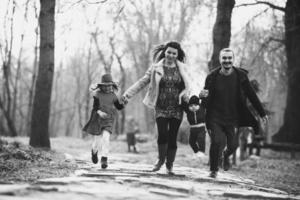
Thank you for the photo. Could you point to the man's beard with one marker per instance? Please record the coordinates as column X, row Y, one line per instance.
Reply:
column 227, row 65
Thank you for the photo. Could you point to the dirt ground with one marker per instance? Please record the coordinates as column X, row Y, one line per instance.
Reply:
column 21, row 164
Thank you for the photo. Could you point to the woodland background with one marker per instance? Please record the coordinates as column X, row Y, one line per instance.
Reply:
column 52, row 51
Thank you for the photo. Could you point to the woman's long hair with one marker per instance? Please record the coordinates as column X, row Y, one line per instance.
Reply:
column 159, row 51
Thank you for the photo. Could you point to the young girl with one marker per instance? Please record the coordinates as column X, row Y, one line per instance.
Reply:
column 102, row 117
column 196, row 118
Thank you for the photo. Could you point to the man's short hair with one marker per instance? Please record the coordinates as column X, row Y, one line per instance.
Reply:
column 227, row 50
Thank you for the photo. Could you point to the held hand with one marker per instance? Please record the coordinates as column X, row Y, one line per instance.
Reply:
column 93, row 86
column 102, row 114
column 265, row 119
column 203, row 93
column 123, row 100
column 185, row 98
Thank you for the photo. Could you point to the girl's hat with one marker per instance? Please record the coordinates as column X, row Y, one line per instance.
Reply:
column 106, row 79
column 194, row 100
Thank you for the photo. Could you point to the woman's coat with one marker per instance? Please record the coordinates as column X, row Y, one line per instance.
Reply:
column 152, row 77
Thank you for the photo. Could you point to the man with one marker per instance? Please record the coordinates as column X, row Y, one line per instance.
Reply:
column 224, row 98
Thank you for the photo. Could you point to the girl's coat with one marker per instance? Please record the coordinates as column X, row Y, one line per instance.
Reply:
column 108, row 103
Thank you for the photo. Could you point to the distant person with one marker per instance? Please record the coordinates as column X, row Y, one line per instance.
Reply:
column 131, row 130
column 257, row 136
column 168, row 81
column 102, row 118
column 226, row 90
column 196, row 118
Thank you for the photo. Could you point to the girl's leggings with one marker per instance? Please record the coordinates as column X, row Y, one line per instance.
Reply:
column 101, row 143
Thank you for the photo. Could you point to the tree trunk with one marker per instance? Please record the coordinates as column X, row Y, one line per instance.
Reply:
column 221, row 30
column 89, row 81
column 10, row 123
column 41, row 103
column 122, row 115
column 33, row 77
column 148, row 113
column 290, row 131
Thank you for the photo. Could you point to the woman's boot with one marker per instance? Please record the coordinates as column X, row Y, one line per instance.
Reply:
column 170, row 159
column 162, row 151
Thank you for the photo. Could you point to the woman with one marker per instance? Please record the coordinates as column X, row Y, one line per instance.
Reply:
column 168, row 83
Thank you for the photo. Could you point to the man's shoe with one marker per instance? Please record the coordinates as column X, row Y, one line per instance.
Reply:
column 213, row 174
column 104, row 162
column 135, row 149
column 95, row 157
column 226, row 162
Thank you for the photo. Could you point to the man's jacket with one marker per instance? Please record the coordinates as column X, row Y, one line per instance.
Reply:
column 245, row 91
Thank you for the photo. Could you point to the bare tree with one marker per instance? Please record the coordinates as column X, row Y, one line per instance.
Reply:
column 107, row 63
column 147, row 24
column 105, row 60
column 122, row 82
column 57, row 103
column 262, row 53
column 79, row 99
column 41, row 104
column 87, row 98
column 290, row 130
column 16, row 95
column 120, row 123
column 6, row 99
column 34, row 73
column 221, row 30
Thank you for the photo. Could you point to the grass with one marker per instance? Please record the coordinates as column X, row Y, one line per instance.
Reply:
column 21, row 163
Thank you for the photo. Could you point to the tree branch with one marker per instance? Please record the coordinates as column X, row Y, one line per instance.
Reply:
column 95, row 2
column 251, row 20
column 264, row 46
column 107, row 65
column 277, row 40
column 262, row 2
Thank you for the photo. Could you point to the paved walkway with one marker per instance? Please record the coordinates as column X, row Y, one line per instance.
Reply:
column 127, row 180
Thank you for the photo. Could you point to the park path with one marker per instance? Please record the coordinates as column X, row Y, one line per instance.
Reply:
column 128, row 178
